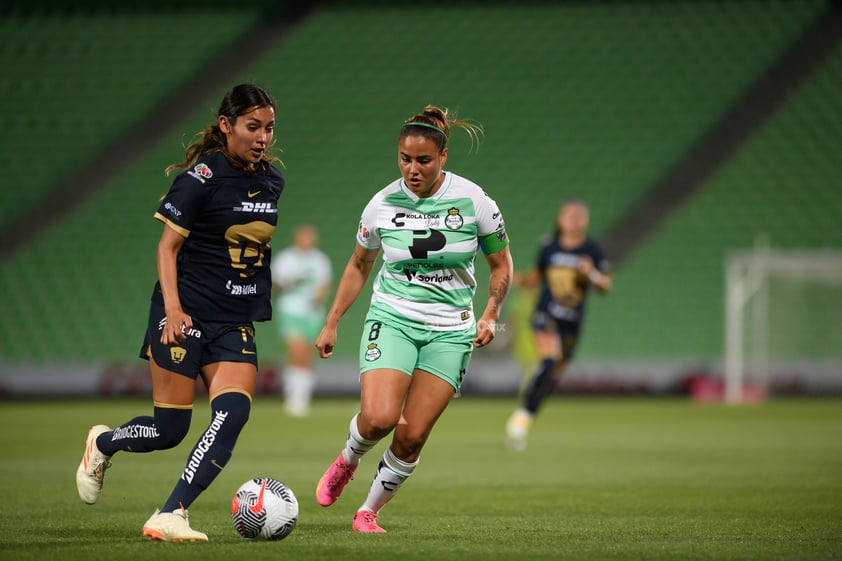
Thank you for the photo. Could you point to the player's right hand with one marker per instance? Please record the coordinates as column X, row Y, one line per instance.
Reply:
column 175, row 328
column 326, row 341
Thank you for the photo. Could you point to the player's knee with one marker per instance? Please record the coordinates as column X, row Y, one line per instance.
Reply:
column 408, row 445
column 172, row 426
column 230, row 412
column 376, row 425
column 170, row 437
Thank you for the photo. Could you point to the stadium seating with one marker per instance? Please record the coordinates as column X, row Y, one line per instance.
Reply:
column 592, row 100
column 72, row 83
column 784, row 185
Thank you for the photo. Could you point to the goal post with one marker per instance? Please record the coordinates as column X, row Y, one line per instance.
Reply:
column 780, row 305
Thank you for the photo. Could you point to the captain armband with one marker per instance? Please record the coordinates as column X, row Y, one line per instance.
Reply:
column 494, row 242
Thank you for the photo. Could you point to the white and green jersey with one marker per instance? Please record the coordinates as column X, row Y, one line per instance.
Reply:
column 301, row 274
column 429, row 246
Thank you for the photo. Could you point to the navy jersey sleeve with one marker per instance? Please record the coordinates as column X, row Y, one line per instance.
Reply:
column 600, row 260
column 182, row 204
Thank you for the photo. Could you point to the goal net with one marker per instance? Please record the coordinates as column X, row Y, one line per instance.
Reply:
column 783, row 321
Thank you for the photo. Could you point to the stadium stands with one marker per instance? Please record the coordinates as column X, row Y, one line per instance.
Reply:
column 784, row 185
column 593, row 100
column 73, row 82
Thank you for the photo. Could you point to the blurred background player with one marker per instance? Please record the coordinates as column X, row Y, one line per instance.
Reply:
column 301, row 275
column 420, row 329
column 213, row 283
column 568, row 264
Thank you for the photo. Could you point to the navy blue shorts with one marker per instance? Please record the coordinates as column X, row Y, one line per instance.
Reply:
column 205, row 343
column 568, row 331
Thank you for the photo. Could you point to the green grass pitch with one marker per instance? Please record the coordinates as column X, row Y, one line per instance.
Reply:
column 602, row 479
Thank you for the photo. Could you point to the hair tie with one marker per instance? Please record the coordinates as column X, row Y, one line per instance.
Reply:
column 428, row 125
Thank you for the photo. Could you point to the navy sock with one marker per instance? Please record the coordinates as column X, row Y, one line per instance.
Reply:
column 166, row 429
column 229, row 414
column 543, row 384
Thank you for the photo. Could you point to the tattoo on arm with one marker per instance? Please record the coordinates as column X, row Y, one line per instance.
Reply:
column 499, row 292
column 361, row 260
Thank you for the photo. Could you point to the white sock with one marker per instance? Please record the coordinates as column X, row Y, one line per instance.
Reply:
column 298, row 388
column 355, row 445
column 391, row 473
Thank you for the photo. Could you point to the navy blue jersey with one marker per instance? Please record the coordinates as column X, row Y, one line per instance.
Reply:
column 563, row 288
column 227, row 219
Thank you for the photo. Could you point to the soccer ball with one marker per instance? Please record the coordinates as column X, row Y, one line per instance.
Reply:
column 264, row 508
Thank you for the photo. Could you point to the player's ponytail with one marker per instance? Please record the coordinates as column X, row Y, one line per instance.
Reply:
column 435, row 124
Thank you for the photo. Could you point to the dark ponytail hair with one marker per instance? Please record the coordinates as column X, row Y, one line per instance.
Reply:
column 434, row 124
column 238, row 100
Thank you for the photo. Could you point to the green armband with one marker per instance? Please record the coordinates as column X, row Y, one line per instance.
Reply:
column 492, row 243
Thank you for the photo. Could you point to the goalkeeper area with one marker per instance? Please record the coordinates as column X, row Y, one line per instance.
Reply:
column 602, row 479
column 782, row 310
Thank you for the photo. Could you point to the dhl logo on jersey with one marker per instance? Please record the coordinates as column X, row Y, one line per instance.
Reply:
column 265, row 208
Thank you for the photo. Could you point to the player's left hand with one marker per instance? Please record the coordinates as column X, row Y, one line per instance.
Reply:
column 486, row 327
column 585, row 265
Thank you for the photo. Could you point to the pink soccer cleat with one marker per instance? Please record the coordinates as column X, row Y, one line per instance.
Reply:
column 366, row 521
column 334, row 481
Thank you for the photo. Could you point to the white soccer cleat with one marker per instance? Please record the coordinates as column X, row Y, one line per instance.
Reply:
column 172, row 527
column 517, row 428
column 296, row 408
column 91, row 470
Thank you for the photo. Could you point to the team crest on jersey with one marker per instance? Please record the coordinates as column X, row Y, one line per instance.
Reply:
column 373, row 353
column 454, row 219
column 201, row 172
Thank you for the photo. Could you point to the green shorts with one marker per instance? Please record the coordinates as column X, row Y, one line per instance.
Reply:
column 300, row 326
column 403, row 347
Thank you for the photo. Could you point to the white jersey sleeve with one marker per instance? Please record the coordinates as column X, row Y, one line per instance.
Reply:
column 489, row 218
column 323, row 272
column 368, row 235
column 281, row 268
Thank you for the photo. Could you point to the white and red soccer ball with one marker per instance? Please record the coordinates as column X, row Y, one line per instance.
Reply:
column 264, row 508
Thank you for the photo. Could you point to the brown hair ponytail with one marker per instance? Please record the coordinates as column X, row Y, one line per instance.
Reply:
column 435, row 124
